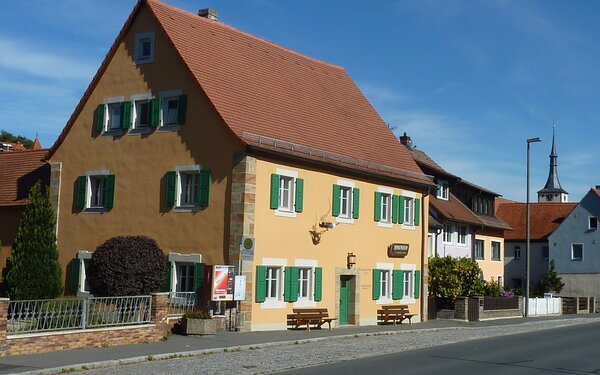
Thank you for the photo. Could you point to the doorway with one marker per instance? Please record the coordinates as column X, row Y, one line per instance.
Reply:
column 347, row 312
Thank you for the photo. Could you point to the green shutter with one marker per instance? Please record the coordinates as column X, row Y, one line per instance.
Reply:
column 355, row 202
column 318, row 284
column 417, row 211
column 75, row 272
column 166, row 287
column 335, row 204
column 81, row 190
column 299, row 198
column 397, row 284
column 290, row 291
column 126, row 116
column 100, row 113
column 395, row 208
column 109, row 191
column 376, row 283
column 417, row 284
column 401, row 219
column 198, row 278
column 274, row 191
column 204, row 194
column 170, row 188
column 155, row 112
column 261, row 284
column 181, row 109
column 377, row 205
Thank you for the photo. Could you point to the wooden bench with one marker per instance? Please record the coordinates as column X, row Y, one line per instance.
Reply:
column 314, row 316
column 394, row 313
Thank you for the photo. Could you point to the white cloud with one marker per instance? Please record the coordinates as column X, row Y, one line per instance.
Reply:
column 381, row 93
column 27, row 58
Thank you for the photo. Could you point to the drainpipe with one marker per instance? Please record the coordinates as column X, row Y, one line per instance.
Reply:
column 424, row 234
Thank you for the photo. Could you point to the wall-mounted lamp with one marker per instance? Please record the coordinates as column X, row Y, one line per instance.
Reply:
column 327, row 225
column 351, row 260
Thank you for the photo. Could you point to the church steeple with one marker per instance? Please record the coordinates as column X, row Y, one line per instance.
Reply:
column 552, row 191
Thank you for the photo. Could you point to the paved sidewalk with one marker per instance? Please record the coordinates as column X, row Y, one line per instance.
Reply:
column 177, row 345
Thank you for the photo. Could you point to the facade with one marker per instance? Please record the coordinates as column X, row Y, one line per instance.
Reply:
column 544, row 219
column 462, row 219
column 242, row 140
column 574, row 248
column 19, row 171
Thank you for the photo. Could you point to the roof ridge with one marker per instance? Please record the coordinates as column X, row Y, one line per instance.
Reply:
column 247, row 34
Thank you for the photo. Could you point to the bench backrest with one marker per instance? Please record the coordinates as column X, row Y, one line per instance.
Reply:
column 311, row 311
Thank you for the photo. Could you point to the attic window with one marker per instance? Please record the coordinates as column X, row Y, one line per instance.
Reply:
column 144, row 47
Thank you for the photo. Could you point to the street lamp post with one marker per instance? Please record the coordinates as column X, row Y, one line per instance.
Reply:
column 527, row 248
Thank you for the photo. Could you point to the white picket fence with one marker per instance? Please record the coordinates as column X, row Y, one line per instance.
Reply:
column 545, row 306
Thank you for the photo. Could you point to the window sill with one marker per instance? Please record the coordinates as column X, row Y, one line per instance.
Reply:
column 408, row 301
column 144, row 61
column 140, row 131
column 275, row 304
column 479, row 258
column 168, row 128
column 283, row 213
column 344, row 220
column 95, row 210
column 383, row 224
column 305, row 303
column 409, row 226
column 187, row 209
column 384, row 301
column 496, row 260
column 112, row 133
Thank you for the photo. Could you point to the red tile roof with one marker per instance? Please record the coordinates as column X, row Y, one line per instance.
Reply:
column 14, row 146
column 36, row 144
column 262, row 89
column 19, row 171
column 544, row 219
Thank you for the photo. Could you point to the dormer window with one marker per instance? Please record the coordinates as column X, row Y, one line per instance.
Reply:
column 442, row 190
column 144, row 47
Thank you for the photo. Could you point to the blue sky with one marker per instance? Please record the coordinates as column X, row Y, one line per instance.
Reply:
column 469, row 81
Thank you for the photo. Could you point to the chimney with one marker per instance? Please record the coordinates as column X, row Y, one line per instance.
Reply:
column 597, row 186
column 209, row 13
column 405, row 140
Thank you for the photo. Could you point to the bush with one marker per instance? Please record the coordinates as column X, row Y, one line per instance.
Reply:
column 196, row 314
column 491, row 289
column 127, row 266
column 451, row 277
column 33, row 268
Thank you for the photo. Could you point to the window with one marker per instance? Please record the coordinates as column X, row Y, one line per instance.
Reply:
column 144, row 48
column 442, row 190
column 345, row 202
column 593, row 223
column 95, row 191
column 407, row 285
column 409, row 211
column 77, row 271
column 114, row 116
column 278, row 284
column 287, row 192
column 545, row 252
column 188, row 187
column 500, row 281
column 173, row 108
column 517, row 253
column 479, row 249
column 386, row 208
column 448, row 229
column 185, row 277
column 273, row 282
column 462, row 234
column 495, row 250
column 170, row 106
column 305, row 285
column 385, row 290
column 577, row 251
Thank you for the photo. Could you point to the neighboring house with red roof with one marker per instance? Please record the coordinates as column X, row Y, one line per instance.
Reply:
column 544, row 219
column 200, row 135
column 462, row 219
column 574, row 248
column 19, row 171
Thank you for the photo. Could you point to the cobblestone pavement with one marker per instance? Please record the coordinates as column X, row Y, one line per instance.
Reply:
column 269, row 359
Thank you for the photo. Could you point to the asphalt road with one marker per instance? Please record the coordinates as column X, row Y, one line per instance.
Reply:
column 566, row 350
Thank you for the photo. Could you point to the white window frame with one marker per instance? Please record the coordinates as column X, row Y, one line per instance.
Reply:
column 590, row 218
column 107, row 116
column 461, row 238
column 482, row 242
column 499, row 258
column 90, row 176
column 346, row 185
column 448, row 233
column 442, row 190
column 517, row 253
column 409, row 210
column 410, row 298
column 285, row 211
column 386, row 274
column 307, row 301
column 278, row 301
column 181, row 170
column 135, row 116
column 84, row 258
column 139, row 39
column 386, row 194
column 164, row 97
column 573, row 258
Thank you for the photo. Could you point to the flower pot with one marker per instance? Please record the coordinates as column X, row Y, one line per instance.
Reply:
column 199, row 326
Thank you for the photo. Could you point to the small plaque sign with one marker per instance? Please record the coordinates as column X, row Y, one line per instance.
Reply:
column 398, row 250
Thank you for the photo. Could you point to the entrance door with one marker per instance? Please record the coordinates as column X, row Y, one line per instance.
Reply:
column 344, row 299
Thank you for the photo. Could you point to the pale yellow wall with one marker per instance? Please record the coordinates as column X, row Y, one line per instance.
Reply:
column 289, row 238
column 491, row 268
column 141, row 161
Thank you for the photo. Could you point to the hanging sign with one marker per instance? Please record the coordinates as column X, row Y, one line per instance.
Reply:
column 398, row 250
column 222, row 283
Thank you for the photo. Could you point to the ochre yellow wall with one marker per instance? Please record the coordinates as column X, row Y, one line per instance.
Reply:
column 141, row 161
column 283, row 237
column 491, row 268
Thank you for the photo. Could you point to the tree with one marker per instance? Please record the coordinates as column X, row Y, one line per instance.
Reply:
column 451, row 277
column 8, row 137
column 34, row 271
column 127, row 266
column 551, row 282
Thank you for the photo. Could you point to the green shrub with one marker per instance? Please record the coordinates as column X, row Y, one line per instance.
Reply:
column 451, row 277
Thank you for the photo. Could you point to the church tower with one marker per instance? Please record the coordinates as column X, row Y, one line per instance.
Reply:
column 553, row 192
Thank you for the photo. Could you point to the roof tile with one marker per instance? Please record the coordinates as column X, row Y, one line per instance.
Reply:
column 19, row 171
